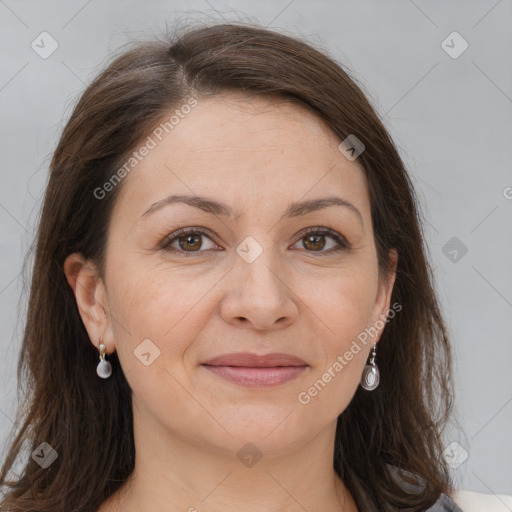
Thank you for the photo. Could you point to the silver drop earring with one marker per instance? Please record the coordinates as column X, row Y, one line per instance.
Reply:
column 104, row 368
column 371, row 375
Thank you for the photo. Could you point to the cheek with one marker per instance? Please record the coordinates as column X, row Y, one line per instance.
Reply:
column 156, row 305
column 161, row 316
column 345, row 345
column 344, row 304
column 342, row 311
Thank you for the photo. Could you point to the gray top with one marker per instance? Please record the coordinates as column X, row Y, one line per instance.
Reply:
column 444, row 504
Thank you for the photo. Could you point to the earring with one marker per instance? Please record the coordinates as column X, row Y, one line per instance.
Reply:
column 104, row 368
column 371, row 375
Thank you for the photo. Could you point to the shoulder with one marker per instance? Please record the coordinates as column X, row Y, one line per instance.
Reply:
column 470, row 501
column 445, row 503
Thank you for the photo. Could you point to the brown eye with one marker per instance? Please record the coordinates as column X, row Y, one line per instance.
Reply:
column 315, row 241
column 187, row 241
column 192, row 242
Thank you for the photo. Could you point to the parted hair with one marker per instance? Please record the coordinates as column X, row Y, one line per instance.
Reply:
column 88, row 421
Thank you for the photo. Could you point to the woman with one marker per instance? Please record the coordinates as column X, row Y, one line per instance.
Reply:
column 231, row 303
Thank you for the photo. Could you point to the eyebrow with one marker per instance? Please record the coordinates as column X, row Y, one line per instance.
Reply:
column 216, row 208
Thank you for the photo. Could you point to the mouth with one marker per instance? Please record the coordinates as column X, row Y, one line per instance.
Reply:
column 251, row 370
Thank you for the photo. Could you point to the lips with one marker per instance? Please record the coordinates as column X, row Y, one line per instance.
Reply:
column 249, row 360
column 254, row 371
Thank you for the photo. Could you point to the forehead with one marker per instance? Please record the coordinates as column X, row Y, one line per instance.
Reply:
column 245, row 150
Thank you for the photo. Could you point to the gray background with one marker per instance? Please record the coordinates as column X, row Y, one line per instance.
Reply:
column 450, row 117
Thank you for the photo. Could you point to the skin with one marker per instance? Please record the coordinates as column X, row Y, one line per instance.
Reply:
column 257, row 156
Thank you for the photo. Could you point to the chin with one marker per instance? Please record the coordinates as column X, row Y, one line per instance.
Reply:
column 270, row 432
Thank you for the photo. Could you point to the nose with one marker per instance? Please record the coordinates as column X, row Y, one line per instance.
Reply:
column 260, row 294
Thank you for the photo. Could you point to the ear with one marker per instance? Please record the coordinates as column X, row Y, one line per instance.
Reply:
column 89, row 289
column 383, row 298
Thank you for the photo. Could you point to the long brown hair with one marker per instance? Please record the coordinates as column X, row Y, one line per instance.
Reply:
column 87, row 420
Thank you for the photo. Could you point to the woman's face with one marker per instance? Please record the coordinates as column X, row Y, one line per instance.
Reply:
column 245, row 278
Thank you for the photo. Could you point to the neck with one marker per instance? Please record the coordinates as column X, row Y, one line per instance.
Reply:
column 173, row 474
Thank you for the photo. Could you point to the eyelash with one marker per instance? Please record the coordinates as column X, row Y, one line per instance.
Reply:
column 342, row 242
